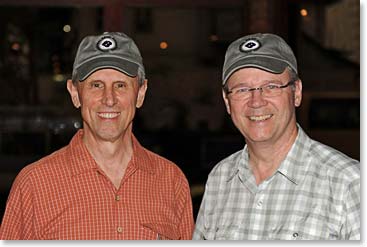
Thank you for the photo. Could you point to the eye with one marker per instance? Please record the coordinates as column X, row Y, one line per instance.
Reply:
column 241, row 90
column 96, row 84
column 120, row 85
column 271, row 86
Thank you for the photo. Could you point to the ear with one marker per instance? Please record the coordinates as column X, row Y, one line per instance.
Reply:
column 226, row 102
column 298, row 93
column 73, row 91
column 141, row 94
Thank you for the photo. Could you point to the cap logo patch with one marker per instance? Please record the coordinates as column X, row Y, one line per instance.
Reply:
column 250, row 45
column 106, row 43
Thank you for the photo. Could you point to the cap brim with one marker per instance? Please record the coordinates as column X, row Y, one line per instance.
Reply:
column 91, row 66
column 268, row 64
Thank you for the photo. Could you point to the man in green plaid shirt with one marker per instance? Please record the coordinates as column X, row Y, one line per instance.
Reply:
column 283, row 185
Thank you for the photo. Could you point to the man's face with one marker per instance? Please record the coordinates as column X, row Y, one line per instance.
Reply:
column 108, row 101
column 260, row 118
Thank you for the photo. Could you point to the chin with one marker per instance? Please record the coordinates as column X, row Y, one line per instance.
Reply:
column 258, row 138
column 108, row 136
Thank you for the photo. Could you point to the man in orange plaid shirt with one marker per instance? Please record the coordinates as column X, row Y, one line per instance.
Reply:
column 104, row 184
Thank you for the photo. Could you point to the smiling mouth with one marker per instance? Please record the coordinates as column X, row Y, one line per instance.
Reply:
column 108, row 115
column 260, row 118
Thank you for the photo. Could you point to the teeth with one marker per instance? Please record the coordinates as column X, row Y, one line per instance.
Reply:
column 260, row 118
column 109, row 114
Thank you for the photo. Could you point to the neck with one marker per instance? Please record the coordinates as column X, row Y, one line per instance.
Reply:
column 266, row 157
column 112, row 157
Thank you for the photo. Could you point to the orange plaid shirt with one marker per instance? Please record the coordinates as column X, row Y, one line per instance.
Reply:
column 66, row 196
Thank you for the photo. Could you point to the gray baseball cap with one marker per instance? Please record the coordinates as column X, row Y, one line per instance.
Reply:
column 264, row 51
column 109, row 50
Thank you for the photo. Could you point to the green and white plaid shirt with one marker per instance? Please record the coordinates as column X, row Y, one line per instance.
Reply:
column 314, row 194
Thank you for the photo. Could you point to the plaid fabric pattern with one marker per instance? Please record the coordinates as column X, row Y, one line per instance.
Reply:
column 314, row 195
column 66, row 196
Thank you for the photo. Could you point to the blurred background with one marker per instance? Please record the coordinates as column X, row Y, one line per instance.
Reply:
column 183, row 45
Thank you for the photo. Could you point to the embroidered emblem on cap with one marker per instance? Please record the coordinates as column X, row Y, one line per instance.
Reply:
column 250, row 45
column 106, row 43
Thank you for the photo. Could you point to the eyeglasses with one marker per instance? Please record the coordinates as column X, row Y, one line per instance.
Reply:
column 267, row 90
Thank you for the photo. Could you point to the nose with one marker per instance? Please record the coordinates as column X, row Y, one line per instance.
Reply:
column 109, row 97
column 256, row 99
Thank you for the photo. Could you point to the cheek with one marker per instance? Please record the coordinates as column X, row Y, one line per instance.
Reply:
column 237, row 112
column 287, row 109
column 88, row 104
column 127, row 100
column 88, row 101
column 86, row 111
column 236, row 108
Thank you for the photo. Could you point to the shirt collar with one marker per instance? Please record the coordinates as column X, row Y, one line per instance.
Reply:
column 240, row 162
column 294, row 166
column 81, row 160
column 141, row 158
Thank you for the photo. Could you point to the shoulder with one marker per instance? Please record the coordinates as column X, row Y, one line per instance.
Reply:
column 226, row 167
column 164, row 167
column 333, row 162
column 48, row 167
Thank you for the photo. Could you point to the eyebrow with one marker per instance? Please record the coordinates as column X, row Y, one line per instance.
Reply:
column 244, row 84
column 120, row 81
column 94, row 80
column 102, row 81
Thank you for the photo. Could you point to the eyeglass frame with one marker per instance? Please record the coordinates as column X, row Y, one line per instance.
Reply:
column 249, row 90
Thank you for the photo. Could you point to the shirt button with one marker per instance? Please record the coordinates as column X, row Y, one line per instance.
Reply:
column 295, row 235
column 117, row 198
column 119, row 229
column 259, row 203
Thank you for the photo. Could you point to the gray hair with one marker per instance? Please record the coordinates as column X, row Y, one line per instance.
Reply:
column 292, row 74
column 140, row 77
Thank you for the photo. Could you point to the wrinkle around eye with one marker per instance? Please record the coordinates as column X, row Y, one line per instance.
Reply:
column 95, row 84
column 271, row 86
column 120, row 84
column 242, row 90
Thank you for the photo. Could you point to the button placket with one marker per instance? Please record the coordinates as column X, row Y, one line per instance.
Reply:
column 259, row 200
column 118, row 204
column 260, row 195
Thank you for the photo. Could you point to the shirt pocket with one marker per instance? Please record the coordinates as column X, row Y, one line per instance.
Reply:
column 209, row 234
column 307, row 228
column 162, row 230
column 222, row 233
column 286, row 231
